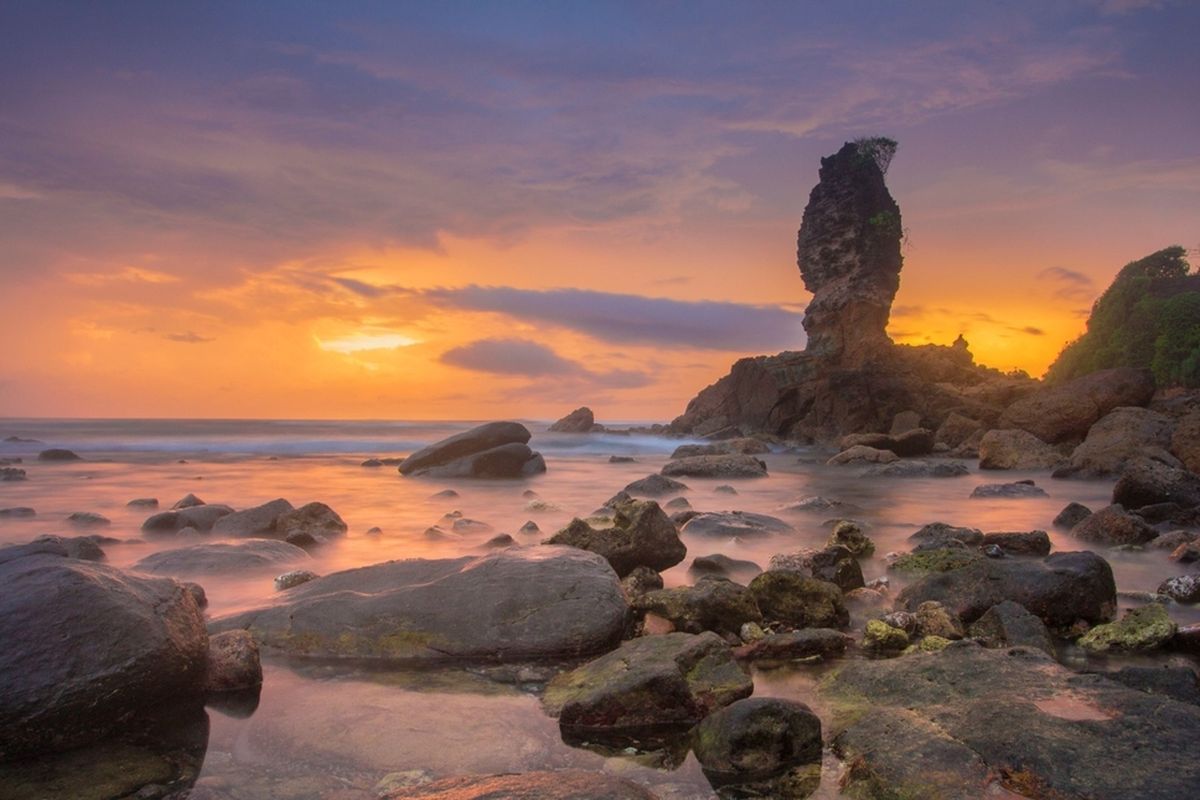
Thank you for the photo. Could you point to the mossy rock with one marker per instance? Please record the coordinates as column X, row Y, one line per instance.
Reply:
column 795, row 599
column 879, row 637
column 928, row 644
column 941, row 560
column 1141, row 629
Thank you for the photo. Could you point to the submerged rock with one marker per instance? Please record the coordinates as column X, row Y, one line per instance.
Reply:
column 1018, row 489
column 17, row 512
column 200, row 517
column 88, row 519
column 1071, row 515
column 189, row 500
column 741, row 445
column 719, row 466
column 732, row 524
column 1021, row 543
column 492, row 450
column 722, row 565
column 58, row 454
column 713, row 604
column 640, row 535
column 12, row 474
column 294, row 578
column 937, row 535
column 518, row 603
column 654, row 486
column 221, row 558
column 916, row 468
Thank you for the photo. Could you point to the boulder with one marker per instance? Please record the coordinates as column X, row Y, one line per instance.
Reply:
column 1118, row 437
column 89, row 649
column 640, row 581
column 1185, row 441
column 917, row 468
column 652, row 682
column 221, row 558
column 1019, row 489
column 233, row 663
column 905, row 421
column 1141, row 629
column 938, row 535
column 581, row 420
column 934, row 619
column 879, row 638
column 1065, row 412
column 1019, row 543
column 741, row 445
column 199, row 517
column 512, row 604
column 58, row 454
column 294, row 578
column 798, row 600
column 713, row 604
column 755, row 739
column 1016, row 449
column 1113, row 525
column 315, row 520
column 956, row 429
column 1008, row 624
column 82, row 547
column 143, row 502
column 970, row 722
column 258, row 521
column 796, row 645
column 912, row 443
column 734, row 524
column 654, row 486
column 189, row 500
column 1181, row 588
column 1147, row 482
column 549, row 785
column 1071, row 515
column 640, row 535
column 724, row 566
column 719, row 466
column 491, row 450
column 849, row 535
column 17, row 512
column 862, row 454
column 1061, row 589
column 88, row 519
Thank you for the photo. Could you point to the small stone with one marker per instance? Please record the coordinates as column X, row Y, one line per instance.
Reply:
column 849, row 535
column 374, row 531
column 143, row 502
column 934, row 619
column 1182, row 588
column 88, row 519
column 725, row 489
column 500, row 540
column 529, row 528
column 879, row 637
column 294, row 578
column 1071, row 515
column 233, row 662
column 751, row 632
column 444, row 494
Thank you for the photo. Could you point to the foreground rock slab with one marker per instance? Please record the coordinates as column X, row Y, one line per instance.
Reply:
column 949, row 724
column 561, row 785
column 513, row 604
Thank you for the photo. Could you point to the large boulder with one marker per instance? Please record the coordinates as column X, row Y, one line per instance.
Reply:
column 491, row 450
column 1147, row 482
column 258, row 521
column 88, row 648
column 1185, row 442
column 718, row 466
column 1062, row 589
column 311, row 522
column 755, row 741
column 1016, row 449
column 798, row 600
column 1065, row 412
column 734, row 524
column 640, row 535
column 549, row 785
column 675, row 679
column 581, row 420
column 199, row 517
column 222, row 558
column 713, row 604
column 1113, row 526
column 513, row 604
column 1118, row 437
column 970, row 722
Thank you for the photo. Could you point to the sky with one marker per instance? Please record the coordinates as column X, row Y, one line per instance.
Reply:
column 500, row 209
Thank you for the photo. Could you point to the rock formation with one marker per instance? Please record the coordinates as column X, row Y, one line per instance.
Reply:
column 851, row 377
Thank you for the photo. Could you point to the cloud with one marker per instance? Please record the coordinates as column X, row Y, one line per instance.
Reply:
column 1069, row 284
column 525, row 358
column 187, row 337
column 633, row 319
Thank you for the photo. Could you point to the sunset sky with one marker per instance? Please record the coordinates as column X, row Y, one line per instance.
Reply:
column 480, row 210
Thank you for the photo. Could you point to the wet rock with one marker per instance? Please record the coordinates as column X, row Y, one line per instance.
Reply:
column 143, row 502
column 755, row 739
column 1177, row 683
column 1071, row 515
column 1018, row 489
column 539, row 602
column 639, row 581
column 1061, row 589
column 529, row 528
column 796, row 645
column 500, row 540
column 1185, row 441
column 316, row 520
column 550, row 785
column 862, row 454
column 745, row 446
column 1145, row 482
column 879, row 637
column 200, row 517
column 1113, row 526
column 1008, row 624
column 652, row 682
column 374, row 530
column 1141, row 629
column 88, row 519
column 941, row 559
column 916, row 468
column 294, row 578
column 258, row 521
column 953, row 724
column 723, row 565
column 679, row 503
column 622, row 460
column 371, row 462
column 444, row 494
column 465, row 525
column 1172, row 540
column 1066, row 411
column 1118, row 437
column 189, row 500
column 1186, row 553
column 233, row 662
column 640, row 535
column 719, row 466
column 98, row 647
column 12, row 474
column 1016, row 449
column 712, row 604
column 655, row 486
column 492, row 450
column 937, row 535
column 1181, row 588
column 735, row 524
column 81, row 547
column 221, row 558
column 581, row 420
column 17, row 512
column 956, row 429
column 725, row 489
column 838, row 566
column 1020, row 543
column 934, row 619
column 822, row 505
column 798, row 600
column 849, row 535
column 58, row 454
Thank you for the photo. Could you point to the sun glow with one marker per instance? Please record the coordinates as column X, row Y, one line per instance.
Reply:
column 358, row 342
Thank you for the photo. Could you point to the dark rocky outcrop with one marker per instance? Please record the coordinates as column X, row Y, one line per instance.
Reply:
column 491, row 450
column 517, row 603
column 581, row 420
column 88, row 648
column 1117, row 438
column 1016, row 449
column 640, row 535
column 1146, row 482
column 744, row 445
column 58, row 454
column 1064, row 412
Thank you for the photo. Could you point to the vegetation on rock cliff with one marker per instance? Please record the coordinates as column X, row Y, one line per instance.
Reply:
column 1149, row 316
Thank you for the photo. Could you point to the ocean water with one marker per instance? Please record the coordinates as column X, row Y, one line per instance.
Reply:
column 335, row 729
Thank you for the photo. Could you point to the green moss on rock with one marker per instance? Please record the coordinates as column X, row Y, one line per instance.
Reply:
column 1141, row 629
